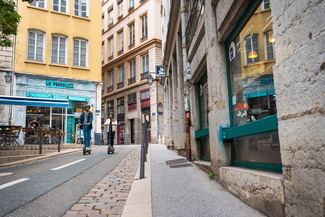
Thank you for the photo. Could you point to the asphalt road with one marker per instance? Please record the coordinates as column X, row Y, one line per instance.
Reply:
column 50, row 187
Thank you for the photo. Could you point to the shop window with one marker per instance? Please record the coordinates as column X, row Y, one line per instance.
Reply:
column 204, row 103
column 80, row 49
column 60, row 6
column 59, row 49
column 38, row 3
column 132, row 102
column 35, row 50
column 81, row 8
column 120, row 106
column 252, row 95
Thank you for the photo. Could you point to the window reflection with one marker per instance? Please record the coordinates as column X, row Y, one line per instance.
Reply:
column 252, row 58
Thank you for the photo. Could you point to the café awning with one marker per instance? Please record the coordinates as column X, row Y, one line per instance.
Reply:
column 33, row 101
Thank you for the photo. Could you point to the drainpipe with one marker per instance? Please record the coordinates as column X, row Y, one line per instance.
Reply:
column 185, row 69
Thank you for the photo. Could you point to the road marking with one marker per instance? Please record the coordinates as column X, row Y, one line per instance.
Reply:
column 69, row 164
column 13, row 183
column 6, row 174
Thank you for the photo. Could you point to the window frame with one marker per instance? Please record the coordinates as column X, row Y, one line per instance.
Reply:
column 264, row 2
column 60, row 6
column 79, row 12
column 144, row 26
column 265, row 125
column 122, row 71
column 132, row 34
column 257, row 50
column 120, row 36
column 133, row 68
column 37, row 2
column 111, row 47
column 142, row 63
column 79, row 54
column 143, row 91
column 266, row 40
column 58, row 50
column 36, row 32
column 120, row 11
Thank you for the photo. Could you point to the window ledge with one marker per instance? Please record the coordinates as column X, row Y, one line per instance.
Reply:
column 81, row 18
column 37, row 8
column 58, row 65
column 60, row 13
column 80, row 68
column 35, row 62
column 202, row 133
column 273, row 175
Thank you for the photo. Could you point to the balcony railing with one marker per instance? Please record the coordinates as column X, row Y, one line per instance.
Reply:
column 144, row 38
column 144, row 75
column 120, row 85
column 110, row 25
column 120, row 52
column 131, row 9
column 131, row 80
column 120, row 18
column 110, row 89
column 192, row 22
column 110, row 57
column 131, row 46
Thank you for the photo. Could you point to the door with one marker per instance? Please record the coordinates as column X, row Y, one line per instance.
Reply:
column 132, row 132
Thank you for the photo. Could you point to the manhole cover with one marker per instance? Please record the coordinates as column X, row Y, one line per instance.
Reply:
column 176, row 161
column 180, row 165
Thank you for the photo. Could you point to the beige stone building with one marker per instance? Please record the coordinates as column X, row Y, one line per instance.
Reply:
column 131, row 49
column 254, row 90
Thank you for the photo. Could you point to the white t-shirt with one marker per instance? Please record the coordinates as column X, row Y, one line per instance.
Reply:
column 107, row 123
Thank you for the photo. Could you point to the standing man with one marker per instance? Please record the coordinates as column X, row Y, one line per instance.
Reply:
column 111, row 124
column 85, row 122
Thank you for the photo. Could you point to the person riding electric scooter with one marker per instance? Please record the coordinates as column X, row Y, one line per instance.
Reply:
column 85, row 123
column 111, row 129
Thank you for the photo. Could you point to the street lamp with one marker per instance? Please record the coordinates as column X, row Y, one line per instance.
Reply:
column 8, row 77
column 150, row 79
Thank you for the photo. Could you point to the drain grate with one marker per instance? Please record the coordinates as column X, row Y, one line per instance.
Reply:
column 180, row 165
column 176, row 161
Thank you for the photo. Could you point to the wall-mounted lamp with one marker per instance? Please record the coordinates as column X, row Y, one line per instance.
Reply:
column 8, row 77
column 150, row 79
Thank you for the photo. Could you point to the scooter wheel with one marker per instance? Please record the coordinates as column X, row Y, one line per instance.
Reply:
column 84, row 151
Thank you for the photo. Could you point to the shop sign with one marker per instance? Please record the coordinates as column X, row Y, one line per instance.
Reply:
column 59, row 84
column 160, row 71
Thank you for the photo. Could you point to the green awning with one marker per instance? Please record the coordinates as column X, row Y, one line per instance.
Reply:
column 79, row 98
column 39, row 95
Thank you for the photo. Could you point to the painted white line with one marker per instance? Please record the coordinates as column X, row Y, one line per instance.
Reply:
column 13, row 183
column 66, row 165
column 6, row 174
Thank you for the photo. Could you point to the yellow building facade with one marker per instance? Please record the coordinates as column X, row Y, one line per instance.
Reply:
column 57, row 55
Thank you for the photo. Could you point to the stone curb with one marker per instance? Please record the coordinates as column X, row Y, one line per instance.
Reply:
column 139, row 201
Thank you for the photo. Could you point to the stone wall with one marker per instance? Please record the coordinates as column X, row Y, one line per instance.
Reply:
column 299, row 77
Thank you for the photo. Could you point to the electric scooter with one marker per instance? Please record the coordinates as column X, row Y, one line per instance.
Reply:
column 110, row 148
column 84, row 150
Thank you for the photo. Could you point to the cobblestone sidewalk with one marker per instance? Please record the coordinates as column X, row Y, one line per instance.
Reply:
column 108, row 197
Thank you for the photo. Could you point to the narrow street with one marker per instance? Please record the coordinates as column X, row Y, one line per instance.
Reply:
column 51, row 187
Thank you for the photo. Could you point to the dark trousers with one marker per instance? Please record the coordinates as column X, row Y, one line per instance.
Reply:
column 110, row 139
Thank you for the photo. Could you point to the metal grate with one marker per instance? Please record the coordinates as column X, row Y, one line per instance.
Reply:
column 180, row 165
column 177, row 161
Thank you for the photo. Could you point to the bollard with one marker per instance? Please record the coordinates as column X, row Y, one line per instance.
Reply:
column 59, row 141
column 40, row 141
column 142, row 157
